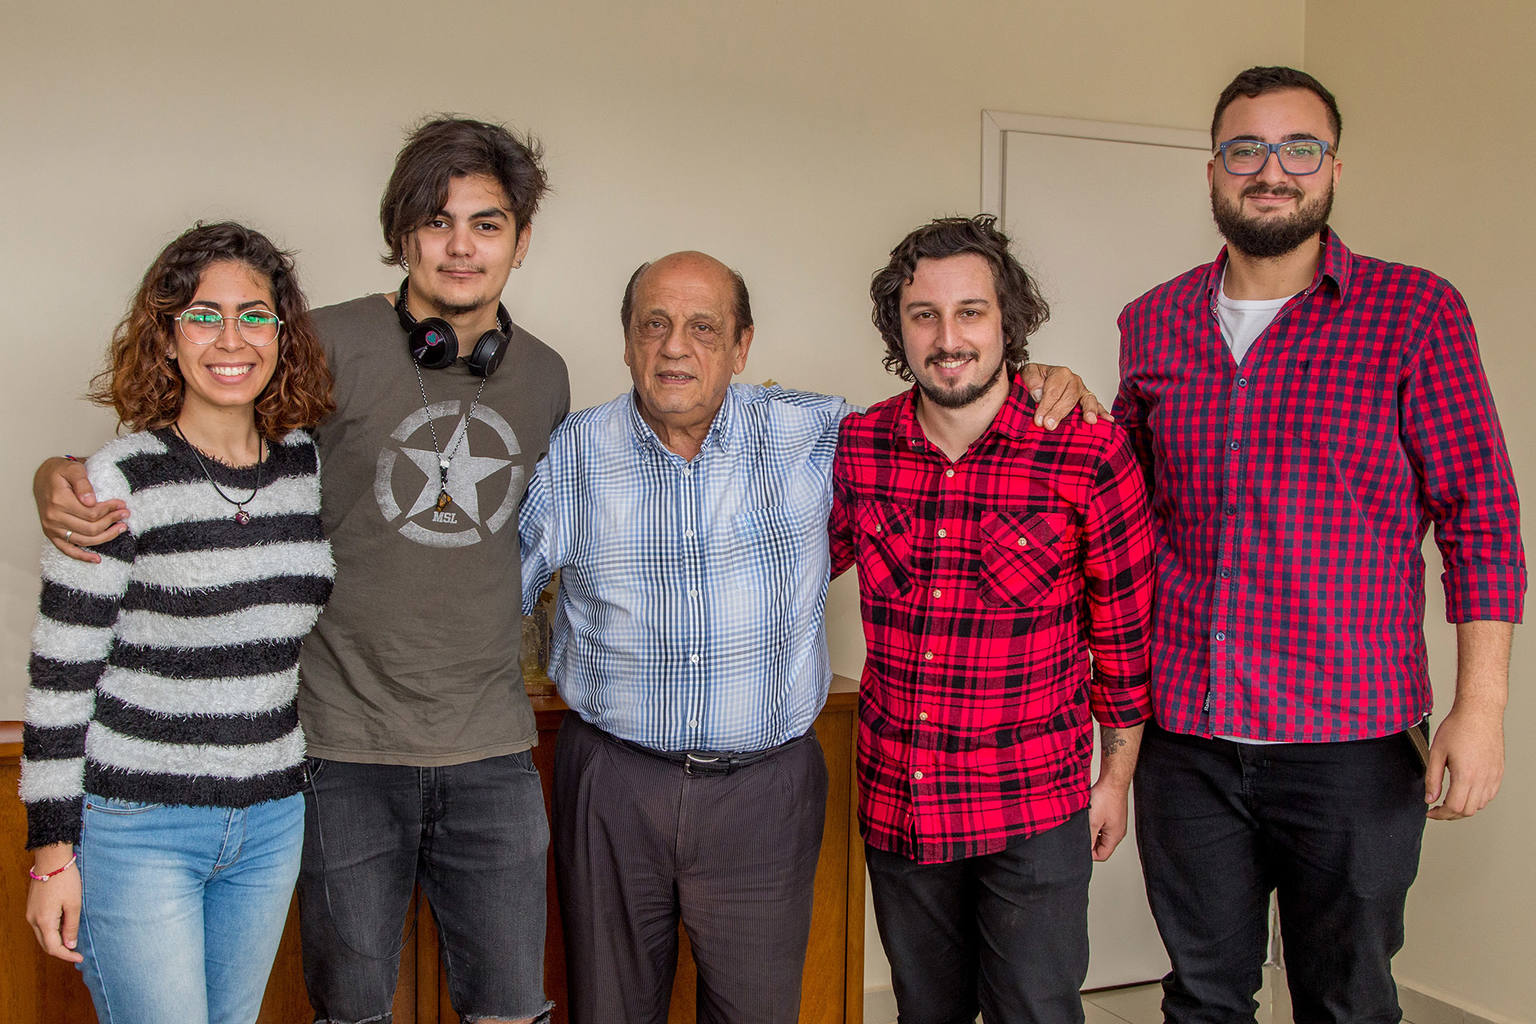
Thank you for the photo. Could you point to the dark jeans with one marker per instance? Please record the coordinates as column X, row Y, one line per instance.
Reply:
column 1005, row 933
column 473, row 835
column 640, row 843
column 1332, row 828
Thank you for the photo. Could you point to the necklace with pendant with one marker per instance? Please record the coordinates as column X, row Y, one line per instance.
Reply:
column 445, row 459
column 241, row 515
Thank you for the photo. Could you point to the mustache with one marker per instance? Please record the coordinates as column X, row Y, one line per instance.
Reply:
column 454, row 268
column 1288, row 191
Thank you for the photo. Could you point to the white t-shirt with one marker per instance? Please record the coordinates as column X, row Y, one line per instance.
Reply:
column 1243, row 320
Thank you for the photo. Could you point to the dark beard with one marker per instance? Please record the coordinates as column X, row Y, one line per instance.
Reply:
column 964, row 396
column 1270, row 238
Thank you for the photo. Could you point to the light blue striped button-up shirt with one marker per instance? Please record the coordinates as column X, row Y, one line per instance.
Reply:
column 692, row 592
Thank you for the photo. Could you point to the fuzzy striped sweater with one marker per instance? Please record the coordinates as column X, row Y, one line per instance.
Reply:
column 169, row 672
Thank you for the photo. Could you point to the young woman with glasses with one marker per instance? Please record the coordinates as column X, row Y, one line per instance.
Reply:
column 162, row 756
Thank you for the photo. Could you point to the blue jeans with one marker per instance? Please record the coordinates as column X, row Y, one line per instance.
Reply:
column 474, row 836
column 1332, row 828
column 184, row 907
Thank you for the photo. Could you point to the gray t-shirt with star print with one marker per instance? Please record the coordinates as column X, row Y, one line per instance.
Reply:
column 415, row 660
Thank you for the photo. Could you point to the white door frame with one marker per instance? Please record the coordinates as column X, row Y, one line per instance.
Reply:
column 994, row 152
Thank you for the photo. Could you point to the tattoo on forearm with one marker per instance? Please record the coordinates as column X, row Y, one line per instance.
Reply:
column 1112, row 741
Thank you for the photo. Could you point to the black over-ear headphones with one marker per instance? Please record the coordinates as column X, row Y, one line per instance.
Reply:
column 434, row 345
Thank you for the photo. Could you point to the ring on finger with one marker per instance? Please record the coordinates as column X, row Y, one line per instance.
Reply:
column 68, row 534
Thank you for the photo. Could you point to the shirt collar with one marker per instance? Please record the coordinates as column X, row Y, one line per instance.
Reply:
column 1014, row 420
column 1333, row 267
column 721, row 431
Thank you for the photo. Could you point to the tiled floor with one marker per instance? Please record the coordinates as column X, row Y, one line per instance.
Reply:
column 1142, row 1004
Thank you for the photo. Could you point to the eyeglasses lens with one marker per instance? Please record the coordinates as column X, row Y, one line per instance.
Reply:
column 202, row 325
column 1304, row 156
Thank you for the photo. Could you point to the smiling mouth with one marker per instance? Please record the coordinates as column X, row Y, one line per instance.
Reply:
column 951, row 362
column 231, row 372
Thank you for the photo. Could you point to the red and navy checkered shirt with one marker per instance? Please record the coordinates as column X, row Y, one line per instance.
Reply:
column 984, row 584
column 1291, row 496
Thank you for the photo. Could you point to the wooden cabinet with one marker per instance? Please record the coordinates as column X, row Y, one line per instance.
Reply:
column 36, row 989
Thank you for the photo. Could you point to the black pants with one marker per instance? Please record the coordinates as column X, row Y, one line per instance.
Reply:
column 1005, row 933
column 1332, row 828
column 639, row 843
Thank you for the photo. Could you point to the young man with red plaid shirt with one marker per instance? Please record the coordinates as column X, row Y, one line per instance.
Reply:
column 1303, row 414
column 994, row 556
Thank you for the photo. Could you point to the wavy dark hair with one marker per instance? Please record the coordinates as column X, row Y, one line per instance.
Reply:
column 446, row 147
column 1257, row 81
column 144, row 385
column 1023, row 307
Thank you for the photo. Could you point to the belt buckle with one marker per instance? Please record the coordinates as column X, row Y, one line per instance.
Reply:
column 695, row 764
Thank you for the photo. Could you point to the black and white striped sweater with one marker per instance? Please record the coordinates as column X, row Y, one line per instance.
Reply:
column 169, row 672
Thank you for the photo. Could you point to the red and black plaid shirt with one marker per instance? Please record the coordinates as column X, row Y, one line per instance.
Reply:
column 1291, row 496
column 984, row 584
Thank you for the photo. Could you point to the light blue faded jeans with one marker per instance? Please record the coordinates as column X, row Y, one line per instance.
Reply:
column 184, row 907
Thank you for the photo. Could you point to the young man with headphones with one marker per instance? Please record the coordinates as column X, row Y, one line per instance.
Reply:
column 412, row 700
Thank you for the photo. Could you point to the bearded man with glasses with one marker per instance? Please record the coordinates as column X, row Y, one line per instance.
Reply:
column 1290, row 750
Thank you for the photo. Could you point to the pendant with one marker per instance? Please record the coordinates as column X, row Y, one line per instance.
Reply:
column 442, row 500
column 241, row 516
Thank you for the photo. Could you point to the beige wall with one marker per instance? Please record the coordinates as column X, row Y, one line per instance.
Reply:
column 798, row 141
column 1438, row 147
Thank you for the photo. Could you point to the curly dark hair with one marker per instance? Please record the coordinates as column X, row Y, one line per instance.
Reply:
column 1257, row 81
column 144, row 385
column 446, row 147
column 1023, row 308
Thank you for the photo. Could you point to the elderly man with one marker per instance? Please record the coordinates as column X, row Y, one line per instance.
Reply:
column 688, row 521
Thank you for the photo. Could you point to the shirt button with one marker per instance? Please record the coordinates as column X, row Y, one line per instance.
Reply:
column 693, row 659
column 693, row 723
column 693, row 592
column 1220, row 635
column 1231, row 510
column 1233, row 445
column 1242, row 382
column 1226, row 573
column 943, row 533
column 687, row 471
column 918, row 775
column 1023, row 542
column 687, row 533
column 878, row 528
column 937, row 592
column 922, row 716
column 927, row 655
column 949, row 472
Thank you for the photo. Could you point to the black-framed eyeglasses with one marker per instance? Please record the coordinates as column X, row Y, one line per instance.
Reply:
column 202, row 325
column 1297, row 156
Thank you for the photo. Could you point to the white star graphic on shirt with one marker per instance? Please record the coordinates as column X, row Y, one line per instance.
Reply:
column 464, row 472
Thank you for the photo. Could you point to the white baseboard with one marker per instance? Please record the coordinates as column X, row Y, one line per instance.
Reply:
column 879, row 1005
column 1424, row 1005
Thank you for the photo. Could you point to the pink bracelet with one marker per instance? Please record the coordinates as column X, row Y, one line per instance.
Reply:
column 56, row 871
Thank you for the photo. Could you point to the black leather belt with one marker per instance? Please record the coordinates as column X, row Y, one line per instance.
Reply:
column 706, row 762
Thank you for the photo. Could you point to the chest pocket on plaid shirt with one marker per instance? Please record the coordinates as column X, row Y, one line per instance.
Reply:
column 1021, row 555
column 884, row 549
